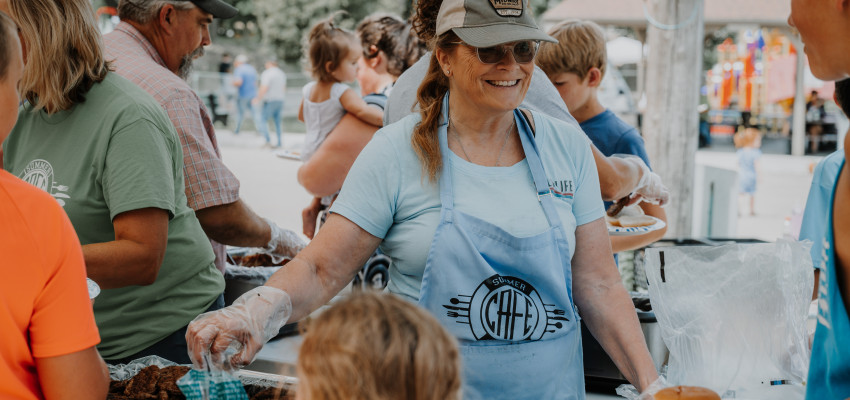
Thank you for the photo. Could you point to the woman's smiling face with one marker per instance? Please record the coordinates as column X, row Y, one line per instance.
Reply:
column 497, row 87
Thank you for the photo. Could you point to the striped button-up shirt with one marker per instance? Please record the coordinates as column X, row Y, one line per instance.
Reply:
column 208, row 181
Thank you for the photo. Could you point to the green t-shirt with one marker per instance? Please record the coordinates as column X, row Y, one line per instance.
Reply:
column 115, row 152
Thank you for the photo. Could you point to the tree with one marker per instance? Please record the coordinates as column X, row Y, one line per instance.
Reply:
column 285, row 23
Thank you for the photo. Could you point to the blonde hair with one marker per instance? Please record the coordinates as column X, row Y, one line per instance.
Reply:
column 377, row 346
column 64, row 51
column 328, row 43
column 430, row 95
column 580, row 47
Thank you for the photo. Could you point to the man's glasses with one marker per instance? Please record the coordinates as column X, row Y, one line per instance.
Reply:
column 523, row 52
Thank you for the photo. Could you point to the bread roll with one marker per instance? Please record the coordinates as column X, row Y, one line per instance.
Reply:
column 635, row 220
column 686, row 393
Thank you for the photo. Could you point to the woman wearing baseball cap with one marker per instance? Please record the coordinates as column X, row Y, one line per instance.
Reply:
column 491, row 215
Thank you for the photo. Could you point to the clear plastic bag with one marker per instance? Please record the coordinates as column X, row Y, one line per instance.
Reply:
column 734, row 316
column 122, row 372
column 211, row 384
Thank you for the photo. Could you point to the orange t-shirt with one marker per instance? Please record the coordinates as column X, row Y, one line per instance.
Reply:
column 44, row 304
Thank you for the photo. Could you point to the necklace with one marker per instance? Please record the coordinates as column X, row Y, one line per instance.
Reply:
column 501, row 149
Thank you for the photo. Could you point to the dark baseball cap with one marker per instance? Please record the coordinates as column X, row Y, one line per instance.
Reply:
column 217, row 8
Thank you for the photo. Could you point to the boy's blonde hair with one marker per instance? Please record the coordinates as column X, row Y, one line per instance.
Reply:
column 580, row 47
column 377, row 346
column 328, row 43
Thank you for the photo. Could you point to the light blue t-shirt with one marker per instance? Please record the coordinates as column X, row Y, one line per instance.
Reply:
column 816, row 215
column 248, row 74
column 386, row 194
column 611, row 135
column 829, row 368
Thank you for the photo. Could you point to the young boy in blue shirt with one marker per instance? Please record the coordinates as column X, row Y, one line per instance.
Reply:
column 576, row 66
column 822, row 24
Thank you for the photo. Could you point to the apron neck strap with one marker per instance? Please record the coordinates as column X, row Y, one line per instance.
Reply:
column 446, row 194
column 529, row 146
column 538, row 173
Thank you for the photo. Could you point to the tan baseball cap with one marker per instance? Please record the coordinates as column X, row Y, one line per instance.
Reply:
column 487, row 23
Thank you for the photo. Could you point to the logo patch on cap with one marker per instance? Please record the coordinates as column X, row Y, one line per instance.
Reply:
column 508, row 8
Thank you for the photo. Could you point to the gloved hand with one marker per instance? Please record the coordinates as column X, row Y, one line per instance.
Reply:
column 284, row 243
column 232, row 336
column 650, row 188
column 629, row 391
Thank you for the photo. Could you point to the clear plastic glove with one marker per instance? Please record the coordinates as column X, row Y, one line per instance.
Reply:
column 629, row 391
column 283, row 244
column 650, row 188
column 232, row 336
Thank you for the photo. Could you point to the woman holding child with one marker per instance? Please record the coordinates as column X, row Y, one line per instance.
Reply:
column 491, row 215
column 389, row 48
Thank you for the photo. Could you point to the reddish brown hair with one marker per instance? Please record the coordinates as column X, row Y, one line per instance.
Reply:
column 328, row 45
column 376, row 346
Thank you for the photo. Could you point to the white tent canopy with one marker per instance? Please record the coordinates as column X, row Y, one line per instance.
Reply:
column 624, row 50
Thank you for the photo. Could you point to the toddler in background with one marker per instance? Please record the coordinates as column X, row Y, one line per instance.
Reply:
column 333, row 54
column 374, row 345
column 748, row 142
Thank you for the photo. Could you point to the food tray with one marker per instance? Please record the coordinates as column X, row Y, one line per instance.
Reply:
column 122, row 372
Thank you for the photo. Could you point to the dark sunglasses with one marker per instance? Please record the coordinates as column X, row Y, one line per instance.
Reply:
column 523, row 51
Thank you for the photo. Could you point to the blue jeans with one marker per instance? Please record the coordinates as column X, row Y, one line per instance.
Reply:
column 243, row 105
column 271, row 110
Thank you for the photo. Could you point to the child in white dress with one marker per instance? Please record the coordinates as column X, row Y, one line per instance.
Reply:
column 333, row 54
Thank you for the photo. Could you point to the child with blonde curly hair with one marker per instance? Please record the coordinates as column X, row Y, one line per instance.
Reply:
column 377, row 346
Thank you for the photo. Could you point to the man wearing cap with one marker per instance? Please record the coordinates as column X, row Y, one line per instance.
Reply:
column 154, row 47
column 491, row 216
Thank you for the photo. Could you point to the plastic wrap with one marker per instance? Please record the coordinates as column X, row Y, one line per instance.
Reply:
column 734, row 316
column 122, row 372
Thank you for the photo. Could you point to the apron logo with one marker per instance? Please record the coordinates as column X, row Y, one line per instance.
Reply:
column 507, row 8
column 506, row 308
column 563, row 189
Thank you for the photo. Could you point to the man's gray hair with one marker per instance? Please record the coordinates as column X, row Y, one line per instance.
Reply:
column 143, row 11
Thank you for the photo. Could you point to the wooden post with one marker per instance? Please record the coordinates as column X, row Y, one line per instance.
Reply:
column 673, row 80
column 798, row 119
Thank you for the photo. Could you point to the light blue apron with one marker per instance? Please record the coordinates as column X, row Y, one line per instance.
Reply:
column 507, row 299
